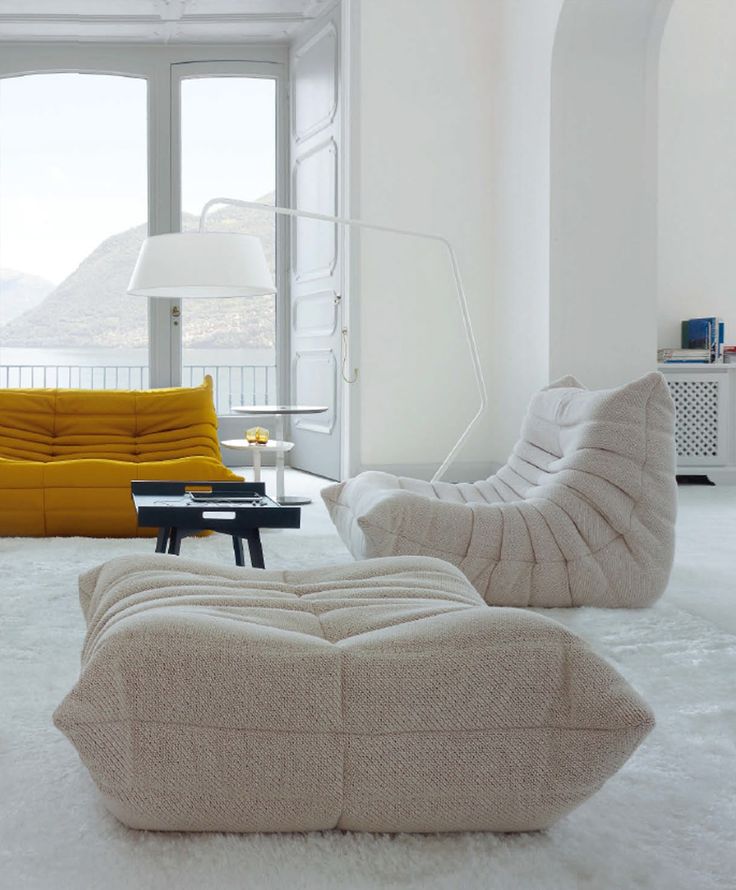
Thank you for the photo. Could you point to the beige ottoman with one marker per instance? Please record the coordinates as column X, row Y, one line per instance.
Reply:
column 377, row 696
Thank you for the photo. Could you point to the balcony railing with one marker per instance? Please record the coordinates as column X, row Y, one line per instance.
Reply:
column 234, row 384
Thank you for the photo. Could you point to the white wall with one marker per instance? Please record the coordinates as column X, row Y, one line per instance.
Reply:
column 603, row 305
column 521, row 114
column 450, row 134
column 697, row 173
column 526, row 132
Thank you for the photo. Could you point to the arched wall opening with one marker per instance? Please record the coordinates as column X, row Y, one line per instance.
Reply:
column 603, row 194
column 697, row 174
column 549, row 128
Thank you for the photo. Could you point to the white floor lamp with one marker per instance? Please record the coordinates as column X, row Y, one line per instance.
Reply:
column 224, row 264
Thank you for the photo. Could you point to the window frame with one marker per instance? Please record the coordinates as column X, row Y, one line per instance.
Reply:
column 182, row 71
column 162, row 67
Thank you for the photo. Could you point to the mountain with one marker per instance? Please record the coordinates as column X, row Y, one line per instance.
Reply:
column 90, row 308
column 20, row 292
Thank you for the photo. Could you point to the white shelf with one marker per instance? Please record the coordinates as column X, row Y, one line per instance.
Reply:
column 696, row 366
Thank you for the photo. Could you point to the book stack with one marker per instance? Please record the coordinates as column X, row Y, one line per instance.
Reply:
column 704, row 333
column 701, row 343
column 671, row 355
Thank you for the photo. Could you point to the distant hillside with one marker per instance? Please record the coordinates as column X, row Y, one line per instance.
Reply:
column 90, row 308
column 20, row 292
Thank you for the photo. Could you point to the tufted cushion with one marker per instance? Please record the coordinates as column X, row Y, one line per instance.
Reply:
column 583, row 512
column 379, row 696
column 137, row 426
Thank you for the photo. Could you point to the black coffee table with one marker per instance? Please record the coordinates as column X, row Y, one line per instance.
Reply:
column 238, row 509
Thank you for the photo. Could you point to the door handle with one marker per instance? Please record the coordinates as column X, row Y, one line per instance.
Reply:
column 344, row 358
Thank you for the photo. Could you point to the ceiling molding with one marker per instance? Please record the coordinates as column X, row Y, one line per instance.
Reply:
column 156, row 20
column 232, row 18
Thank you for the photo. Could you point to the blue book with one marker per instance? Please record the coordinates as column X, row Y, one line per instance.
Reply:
column 704, row 333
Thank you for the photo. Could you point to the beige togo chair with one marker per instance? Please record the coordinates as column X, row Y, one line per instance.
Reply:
column 583, row 512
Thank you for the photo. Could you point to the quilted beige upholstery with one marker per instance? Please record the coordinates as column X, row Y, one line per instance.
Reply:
column 583, row 512
column 378, row 696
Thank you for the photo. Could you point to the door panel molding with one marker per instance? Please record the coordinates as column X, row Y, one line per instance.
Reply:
column 308, row 75
column 308, row 362
column 326, row 177
column 315, row 314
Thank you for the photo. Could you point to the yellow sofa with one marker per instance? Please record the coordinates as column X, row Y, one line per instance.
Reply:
column 67, row 457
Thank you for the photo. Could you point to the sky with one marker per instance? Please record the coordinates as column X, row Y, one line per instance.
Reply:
column 73, row 159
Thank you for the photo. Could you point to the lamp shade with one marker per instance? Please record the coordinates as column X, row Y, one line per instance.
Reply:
column 201, row 264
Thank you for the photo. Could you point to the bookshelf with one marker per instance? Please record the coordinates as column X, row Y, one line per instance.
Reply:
column 705, row 424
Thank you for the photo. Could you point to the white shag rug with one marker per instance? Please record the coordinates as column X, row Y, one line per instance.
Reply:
column 667, row 820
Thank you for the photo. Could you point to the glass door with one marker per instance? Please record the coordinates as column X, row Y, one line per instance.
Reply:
column 73, row 214
column 101, row 145
column 228, row 114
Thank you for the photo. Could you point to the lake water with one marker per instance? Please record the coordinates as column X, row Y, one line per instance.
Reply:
column 241, row 376
column 131, row 357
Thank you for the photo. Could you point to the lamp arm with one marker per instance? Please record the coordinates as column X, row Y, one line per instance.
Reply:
column 460, row 291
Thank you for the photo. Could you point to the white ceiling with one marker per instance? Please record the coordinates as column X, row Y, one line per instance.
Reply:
column 156, row 21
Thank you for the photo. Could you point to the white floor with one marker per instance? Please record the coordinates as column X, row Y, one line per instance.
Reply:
column 667, row 820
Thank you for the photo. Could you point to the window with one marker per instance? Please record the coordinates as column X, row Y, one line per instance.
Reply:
column 228, row 149
column 73, row 214
column 92, row 141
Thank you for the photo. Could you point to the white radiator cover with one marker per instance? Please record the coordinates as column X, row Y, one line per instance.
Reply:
column 705, row 405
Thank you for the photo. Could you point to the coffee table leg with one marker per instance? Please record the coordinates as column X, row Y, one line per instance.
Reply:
column 162, row 539
column 238, row 550
column 175, row 542
column 253, row 537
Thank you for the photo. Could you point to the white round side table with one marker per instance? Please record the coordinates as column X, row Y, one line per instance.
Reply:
column 276, row 445
column 278, row 412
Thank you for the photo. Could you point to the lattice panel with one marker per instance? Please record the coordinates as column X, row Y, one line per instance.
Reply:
column 696, row 420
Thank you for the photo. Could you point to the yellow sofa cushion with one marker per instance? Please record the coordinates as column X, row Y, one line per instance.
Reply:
column 127, row 425
column 67, row 457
